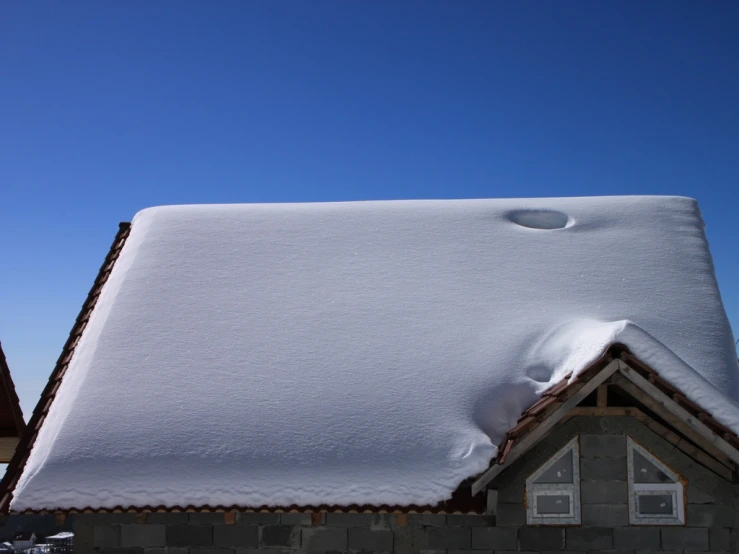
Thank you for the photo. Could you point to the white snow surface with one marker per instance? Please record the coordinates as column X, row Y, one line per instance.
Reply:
column 363, row 353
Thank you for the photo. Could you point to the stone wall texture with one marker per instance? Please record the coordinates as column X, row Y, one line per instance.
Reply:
column 710, row 514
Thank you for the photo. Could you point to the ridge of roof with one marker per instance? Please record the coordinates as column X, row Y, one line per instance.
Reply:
column 11, row 396
column 17, row 464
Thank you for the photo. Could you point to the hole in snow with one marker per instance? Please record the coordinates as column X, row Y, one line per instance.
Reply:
column 540, row 219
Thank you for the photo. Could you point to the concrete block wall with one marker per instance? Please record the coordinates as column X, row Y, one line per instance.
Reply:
column 711, row 514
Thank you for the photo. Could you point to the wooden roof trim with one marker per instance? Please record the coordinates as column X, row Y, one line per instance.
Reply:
column 10, row 396
column 15, row 468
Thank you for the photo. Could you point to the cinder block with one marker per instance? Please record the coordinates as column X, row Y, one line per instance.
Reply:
column 603, row 446
column 709, row 515
column 636, row 538
column 541, row 538
column 511, row 515
column 349, row 520
column 167, row 518
column 433, row 520
column 143, row 535
column 495, row 538
column 296, row 518
column 469, row 552
column 120, row 550
column 491, row 502
column 719, row 540
column 371, row 541
column 280, row 535
column 605, row 515
column 324, row 538
column 236, row 535
column 167, row 550
column 604, row 492
column 106, row 535
column 189, row 535
column 685, row 538
column 108, row 519
column 211, row 550
column 469, row 520
column 513, row 493
column 211, row 518
column 592, row 538
column 450, row 538
column 258, row 518
column 603, row 469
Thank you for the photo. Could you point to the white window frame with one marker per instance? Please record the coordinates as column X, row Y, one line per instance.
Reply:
column 571, row 490
column 676, row 489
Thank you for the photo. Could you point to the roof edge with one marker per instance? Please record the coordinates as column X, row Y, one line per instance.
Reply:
column 23, row 450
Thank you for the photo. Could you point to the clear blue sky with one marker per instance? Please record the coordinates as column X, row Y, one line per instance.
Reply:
column 110, row 107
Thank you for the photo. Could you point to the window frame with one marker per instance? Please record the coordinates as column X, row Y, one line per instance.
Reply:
column 676, row 489
column 571, row 490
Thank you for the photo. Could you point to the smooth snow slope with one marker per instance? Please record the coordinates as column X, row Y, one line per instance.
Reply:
column 369, row 352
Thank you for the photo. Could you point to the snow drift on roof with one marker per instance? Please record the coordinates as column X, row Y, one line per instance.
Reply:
column 368, row 353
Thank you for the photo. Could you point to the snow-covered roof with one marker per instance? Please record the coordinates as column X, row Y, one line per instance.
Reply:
column 363, row 353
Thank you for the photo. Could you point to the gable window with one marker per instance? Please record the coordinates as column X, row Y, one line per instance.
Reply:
column 553, row 490
column 656, row 493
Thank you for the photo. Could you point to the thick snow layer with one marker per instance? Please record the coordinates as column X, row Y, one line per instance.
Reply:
column 370, row 353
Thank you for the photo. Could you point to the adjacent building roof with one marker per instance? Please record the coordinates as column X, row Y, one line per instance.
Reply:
column 12, row 424
column 357, row 354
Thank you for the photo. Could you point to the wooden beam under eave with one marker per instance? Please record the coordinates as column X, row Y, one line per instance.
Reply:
column 657, row 401
column 7, row 448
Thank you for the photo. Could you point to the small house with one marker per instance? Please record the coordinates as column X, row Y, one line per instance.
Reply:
column 529, row 375
column 23, row 540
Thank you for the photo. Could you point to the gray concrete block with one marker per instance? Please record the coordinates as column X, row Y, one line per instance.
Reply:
column 167, row 518
column 636, row 538
column 143, row 535
column 511, row 493
column 211, row 518
column 709, row 515
column 324, row 538
column 106, row 535
column 108, row 519
column 297, row 518
column 120, row 550
column 167, row 550
column 602, row 446
column 279, row 535
column 685, row 538
column 605, row 515
column 603, row 469
column 511, row 515
column 369, row 540
column 719, row 540
column 433, row 520
column 190, row 535
column 593, row 538
column 211, row 550
column 469, row 552
column 236, row 535
column 604, row 492
column 541, row 538
column 349, row 520
column 258, row 518
column 449, row 538
column 491, row 502
column 469, row 520
column 496, row 538
column 433, row 552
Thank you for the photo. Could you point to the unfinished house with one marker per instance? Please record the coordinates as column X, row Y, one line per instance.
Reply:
column 529, row 375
